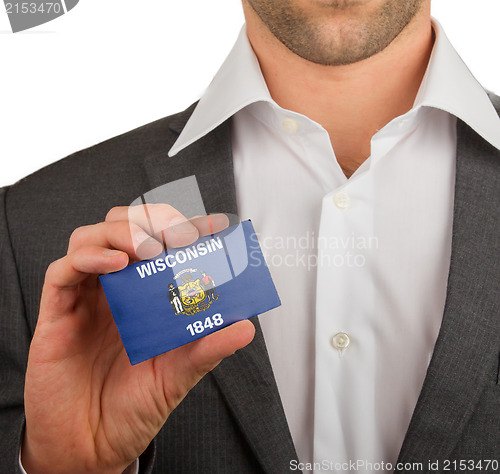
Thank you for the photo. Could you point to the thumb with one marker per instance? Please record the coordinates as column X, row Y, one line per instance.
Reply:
column 215, row 347
column 181, row 369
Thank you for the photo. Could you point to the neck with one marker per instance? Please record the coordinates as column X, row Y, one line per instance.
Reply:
column 351, row 102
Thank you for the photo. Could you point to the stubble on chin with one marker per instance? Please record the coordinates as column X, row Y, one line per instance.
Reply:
column 346, row 33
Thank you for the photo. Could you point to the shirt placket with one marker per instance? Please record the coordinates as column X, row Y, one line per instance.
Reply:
column 343, row 311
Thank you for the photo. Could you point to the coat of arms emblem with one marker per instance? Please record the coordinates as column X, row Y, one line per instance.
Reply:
column 194, row 292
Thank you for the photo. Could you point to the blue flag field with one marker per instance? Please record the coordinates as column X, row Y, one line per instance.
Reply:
column 190, row 292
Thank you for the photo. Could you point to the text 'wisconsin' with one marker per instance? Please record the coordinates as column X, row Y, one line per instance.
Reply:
column 181, row 256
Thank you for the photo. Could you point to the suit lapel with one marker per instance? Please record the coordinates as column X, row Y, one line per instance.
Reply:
column 248, row 385
column 209, row 159
column 246, row 379
column 466, row 348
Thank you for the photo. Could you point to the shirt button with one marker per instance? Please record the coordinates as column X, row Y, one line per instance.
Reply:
column 290, row 125
column 340, row 341
column 341, row 200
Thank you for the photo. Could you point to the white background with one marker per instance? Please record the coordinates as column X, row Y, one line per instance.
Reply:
column 109, row 66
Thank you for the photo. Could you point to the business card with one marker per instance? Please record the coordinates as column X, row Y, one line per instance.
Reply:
column 187, row 293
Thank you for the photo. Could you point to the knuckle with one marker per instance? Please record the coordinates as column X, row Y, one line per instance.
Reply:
column 120, row 233
column 113, row 212
column 82, row 236
column 167, row 207
column 131, row 228
column 161, row 209
column 76, row 235
column 51, row 270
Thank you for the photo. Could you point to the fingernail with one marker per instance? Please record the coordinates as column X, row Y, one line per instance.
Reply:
column 111, row 253
column 182, row 226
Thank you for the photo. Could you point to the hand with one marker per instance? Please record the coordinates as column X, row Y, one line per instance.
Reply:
column 87, row 409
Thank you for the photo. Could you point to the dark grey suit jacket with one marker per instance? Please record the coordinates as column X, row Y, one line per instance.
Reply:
column 233, row 420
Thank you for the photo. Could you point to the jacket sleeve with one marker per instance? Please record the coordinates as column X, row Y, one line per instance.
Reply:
column 15, row 338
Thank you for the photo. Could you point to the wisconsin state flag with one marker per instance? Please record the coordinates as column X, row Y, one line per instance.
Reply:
column 190, row 292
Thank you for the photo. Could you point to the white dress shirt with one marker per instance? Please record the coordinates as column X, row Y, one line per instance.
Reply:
column 361, row 264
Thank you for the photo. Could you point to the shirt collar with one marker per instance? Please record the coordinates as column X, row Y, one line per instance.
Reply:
column 447, row 85
column 450, row 86
column 238, row 83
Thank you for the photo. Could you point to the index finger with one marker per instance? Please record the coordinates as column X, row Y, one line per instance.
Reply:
column 167, row 224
